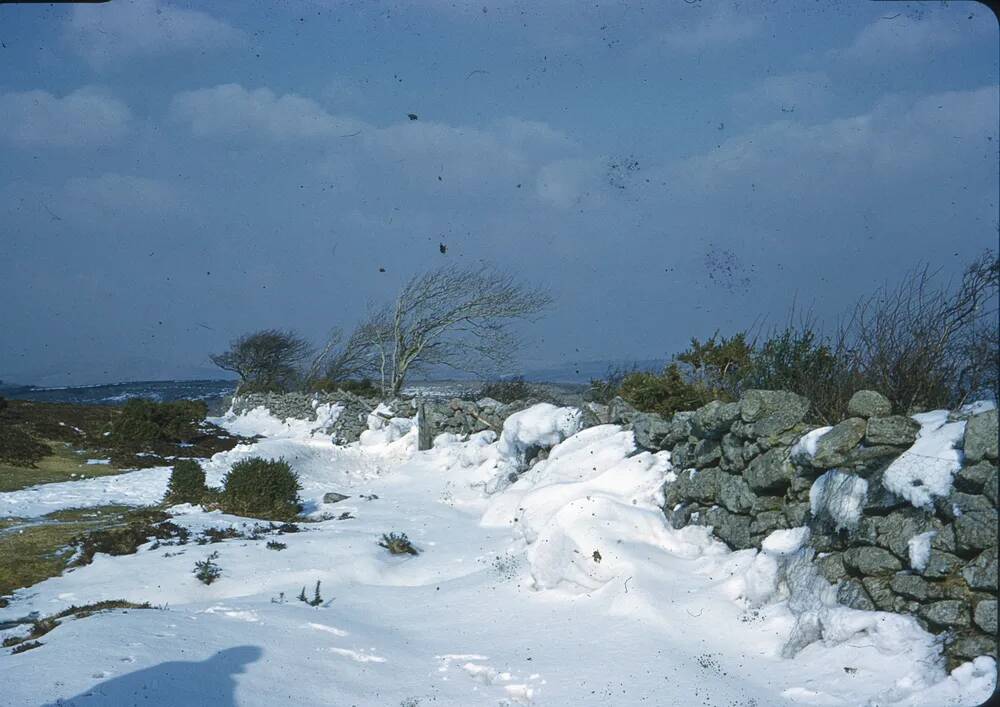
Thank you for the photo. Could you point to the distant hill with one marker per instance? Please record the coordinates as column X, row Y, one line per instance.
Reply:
column 584, row 371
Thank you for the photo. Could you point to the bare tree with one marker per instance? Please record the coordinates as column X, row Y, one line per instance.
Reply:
column 268, row 359
column 925, row 345
column 459, row 318
column 341, row 360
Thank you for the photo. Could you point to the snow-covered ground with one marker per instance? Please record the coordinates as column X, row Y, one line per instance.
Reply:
column 566, row 587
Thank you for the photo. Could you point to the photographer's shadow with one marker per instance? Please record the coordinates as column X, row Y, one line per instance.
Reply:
column 192, row 684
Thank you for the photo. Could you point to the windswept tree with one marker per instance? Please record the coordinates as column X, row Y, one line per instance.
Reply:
column 265, row 360
column 458, row 318
column 341, row 360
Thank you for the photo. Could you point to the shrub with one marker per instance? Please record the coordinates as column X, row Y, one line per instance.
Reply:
column 799, row 359
column 604, row 390
column 275, row 545
column 261, row 488
column 187, row 483
column 364, row 387
column 19, row 448
column 206, row 570
column 317, row 598
column 398, row 544
column 508, row 390
column 718, row 366
column 925, row 345
column 663, row 393
column 143, row 422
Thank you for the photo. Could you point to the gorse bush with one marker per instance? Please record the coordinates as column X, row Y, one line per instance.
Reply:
column 19, row 448
column 146, row 422
column 261, row 488
column 187, row 483
column 664, row 393
column 603, row 390
column 922, row 344
column 507, row 391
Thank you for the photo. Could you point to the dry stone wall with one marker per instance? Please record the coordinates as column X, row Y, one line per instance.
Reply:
column 750, row 467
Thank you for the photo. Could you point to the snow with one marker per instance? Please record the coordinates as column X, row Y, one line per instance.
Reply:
column 925, row 470
column 538, row 427
column 839, row 495
column 785, row 542
column 805, row 448
column 518, row 597
column 260, row 421
column 919, row 547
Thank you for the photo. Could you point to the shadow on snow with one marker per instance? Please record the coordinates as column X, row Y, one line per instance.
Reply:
column 207, row 683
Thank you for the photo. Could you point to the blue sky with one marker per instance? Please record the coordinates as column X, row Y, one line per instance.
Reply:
column 173, row 174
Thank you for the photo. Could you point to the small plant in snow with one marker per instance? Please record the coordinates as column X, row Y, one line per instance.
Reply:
column 317, row 598
column 206, row 570
column 398, row 544
column 275, row 545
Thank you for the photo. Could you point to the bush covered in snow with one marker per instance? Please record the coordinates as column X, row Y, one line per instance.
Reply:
column 261, row 488
column 187, row 483
column 144, row 422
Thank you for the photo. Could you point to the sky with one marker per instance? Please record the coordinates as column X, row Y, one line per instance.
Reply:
column 175, row 174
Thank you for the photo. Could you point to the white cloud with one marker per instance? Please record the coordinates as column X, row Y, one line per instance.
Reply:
column 565, row 183
column 900, row 37
column 897, row 139
column 85, row 117
column 784, row 95
column 232, row 111
column 701, row 29
column 467, row 159
column 112, row 193
column 105, row 34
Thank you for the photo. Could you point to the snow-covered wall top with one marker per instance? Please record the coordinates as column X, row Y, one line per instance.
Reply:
column 902, row 511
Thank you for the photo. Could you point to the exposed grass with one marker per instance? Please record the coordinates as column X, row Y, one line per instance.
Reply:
column 61, row 465
column 43, row 626
column 35, row 552
column 83, row 428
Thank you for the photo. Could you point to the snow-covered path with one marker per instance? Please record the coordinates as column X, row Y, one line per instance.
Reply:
column 567, row 588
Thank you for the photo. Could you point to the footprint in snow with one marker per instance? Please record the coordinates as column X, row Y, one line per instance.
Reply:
column 521, row 693
column 326, row 629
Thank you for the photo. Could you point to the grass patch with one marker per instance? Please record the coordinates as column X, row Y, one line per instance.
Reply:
column 43, row 626
column 63, row 463
column 36, row 552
